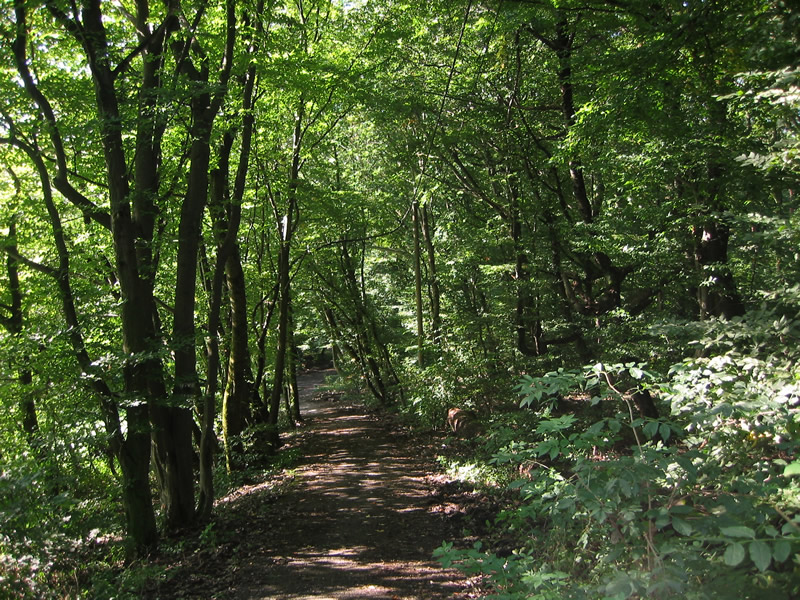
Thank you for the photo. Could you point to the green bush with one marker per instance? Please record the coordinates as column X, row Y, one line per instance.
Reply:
column 608, row 510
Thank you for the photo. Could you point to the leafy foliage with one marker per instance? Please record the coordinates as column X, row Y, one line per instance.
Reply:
column 617, row 520
column 586, row 209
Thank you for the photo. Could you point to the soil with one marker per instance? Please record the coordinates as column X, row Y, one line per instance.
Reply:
column 358, row 516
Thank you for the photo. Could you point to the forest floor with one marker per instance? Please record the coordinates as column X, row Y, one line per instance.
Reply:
column 357, row 516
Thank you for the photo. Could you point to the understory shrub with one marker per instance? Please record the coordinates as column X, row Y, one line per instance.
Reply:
column 702, row 503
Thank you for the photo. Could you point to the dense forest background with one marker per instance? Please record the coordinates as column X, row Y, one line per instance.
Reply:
column 585, row 207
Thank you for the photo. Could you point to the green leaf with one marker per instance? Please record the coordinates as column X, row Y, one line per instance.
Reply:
column 792, row 469
column 738, row 531
column 556, row 424
column 681, row 526
column 650, row 428
column 621, row 586
column 681, row 509
column 734, row 554
column 789, row 528
column 665, row 431
column 761, row 555
column 781, row 551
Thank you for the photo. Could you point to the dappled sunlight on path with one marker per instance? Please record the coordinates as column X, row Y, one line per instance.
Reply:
column 358, row 521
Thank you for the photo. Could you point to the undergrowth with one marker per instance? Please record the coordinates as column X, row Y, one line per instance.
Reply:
column 700, row 503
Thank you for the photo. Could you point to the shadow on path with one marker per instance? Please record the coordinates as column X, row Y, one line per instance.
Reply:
column 358, row 520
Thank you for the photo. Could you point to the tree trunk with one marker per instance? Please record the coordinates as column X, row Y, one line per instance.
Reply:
column 207, row 435
column 371, row 352
column 285, row 223
column 241, row 374
column 716, row 295
column 294, row 391
column 418, row 285
column 172, row 424
column 335, row 335
column 238, row 392
column 521, row 280
column 134, row 460
column 141, row 377
column 563, row 46
column 281, row 346
column 227, row 219
column 13, row 323
column 133, row 451
column 434, row 292
column 261, row 414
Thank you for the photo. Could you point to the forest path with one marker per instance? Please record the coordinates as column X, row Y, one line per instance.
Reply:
column 358, row 519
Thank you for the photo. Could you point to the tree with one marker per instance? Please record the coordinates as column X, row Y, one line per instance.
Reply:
column 135, row 203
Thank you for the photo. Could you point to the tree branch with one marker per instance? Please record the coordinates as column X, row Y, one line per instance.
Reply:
column 60, row 181
column 31, row 263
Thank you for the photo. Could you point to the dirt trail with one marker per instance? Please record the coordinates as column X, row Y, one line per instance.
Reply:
column 357, row 521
